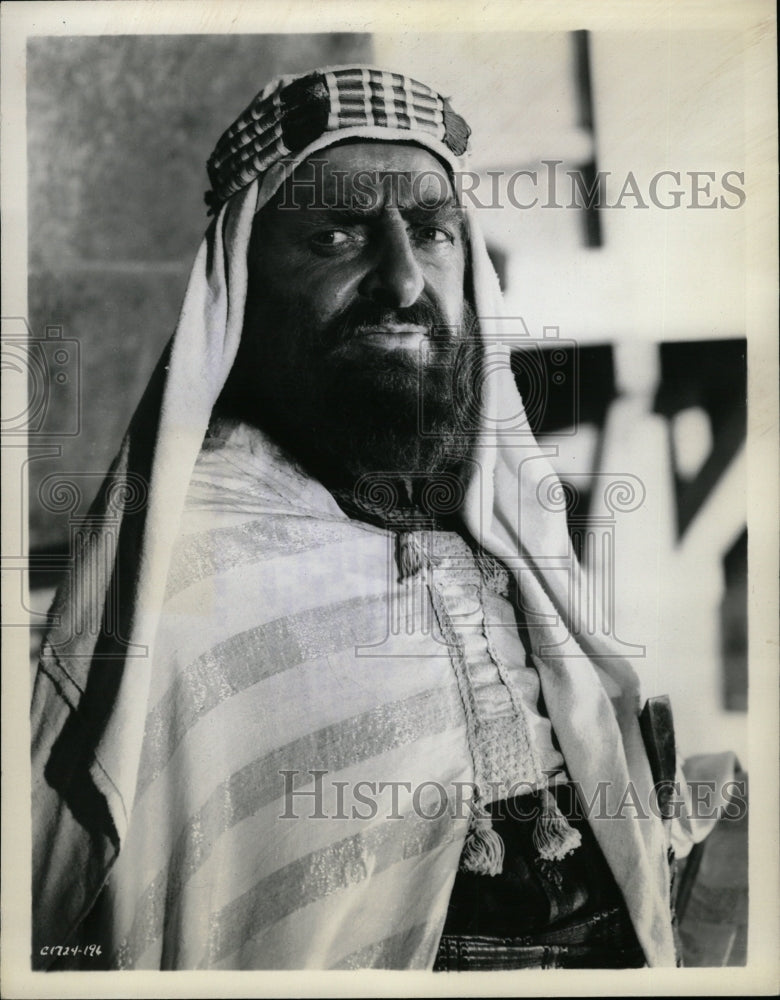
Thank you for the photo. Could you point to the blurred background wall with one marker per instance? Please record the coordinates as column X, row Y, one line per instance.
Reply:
column 633, row 362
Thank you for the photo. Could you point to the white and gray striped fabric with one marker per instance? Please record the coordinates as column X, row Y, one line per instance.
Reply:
column 278, row 669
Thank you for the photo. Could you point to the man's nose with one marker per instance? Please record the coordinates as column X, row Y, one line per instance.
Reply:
column 395, row 278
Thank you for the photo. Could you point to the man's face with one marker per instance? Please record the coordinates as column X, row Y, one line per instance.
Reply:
column 355, row 311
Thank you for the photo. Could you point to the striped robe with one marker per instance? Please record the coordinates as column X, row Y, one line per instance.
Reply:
column 291, row 659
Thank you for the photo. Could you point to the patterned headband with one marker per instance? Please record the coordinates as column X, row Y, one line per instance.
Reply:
column 285, row 118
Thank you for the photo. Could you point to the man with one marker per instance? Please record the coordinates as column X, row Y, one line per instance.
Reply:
column 339, row 705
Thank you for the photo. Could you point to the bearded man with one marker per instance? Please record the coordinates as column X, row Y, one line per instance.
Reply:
column 339, row 713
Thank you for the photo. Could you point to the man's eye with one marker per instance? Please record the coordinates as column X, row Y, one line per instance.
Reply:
column 433, row 234
column 331, row 238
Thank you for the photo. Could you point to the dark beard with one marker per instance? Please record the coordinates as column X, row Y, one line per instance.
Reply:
column 352, row 413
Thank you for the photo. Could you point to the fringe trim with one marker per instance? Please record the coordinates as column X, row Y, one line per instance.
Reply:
column 408, row 555
column 553, row 838
column 483, row 852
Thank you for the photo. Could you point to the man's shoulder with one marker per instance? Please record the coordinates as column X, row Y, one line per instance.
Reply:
column 241, row 471
column 251, row 510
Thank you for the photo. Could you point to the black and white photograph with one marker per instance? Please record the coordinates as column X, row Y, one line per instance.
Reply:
column 390, row 498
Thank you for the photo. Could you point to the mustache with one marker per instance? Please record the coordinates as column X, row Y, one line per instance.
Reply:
column 363, row 315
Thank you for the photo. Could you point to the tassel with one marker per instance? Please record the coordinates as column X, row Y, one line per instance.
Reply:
column 553, row 837
column 408, row 555
column 456, row 131
column 483, row 852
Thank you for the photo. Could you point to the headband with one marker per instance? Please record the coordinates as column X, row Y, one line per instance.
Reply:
column 291, row 114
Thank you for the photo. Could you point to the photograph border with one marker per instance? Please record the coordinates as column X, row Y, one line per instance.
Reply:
column 756, row 20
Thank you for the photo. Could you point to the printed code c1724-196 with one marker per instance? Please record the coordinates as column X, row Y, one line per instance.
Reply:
column 62, row 950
